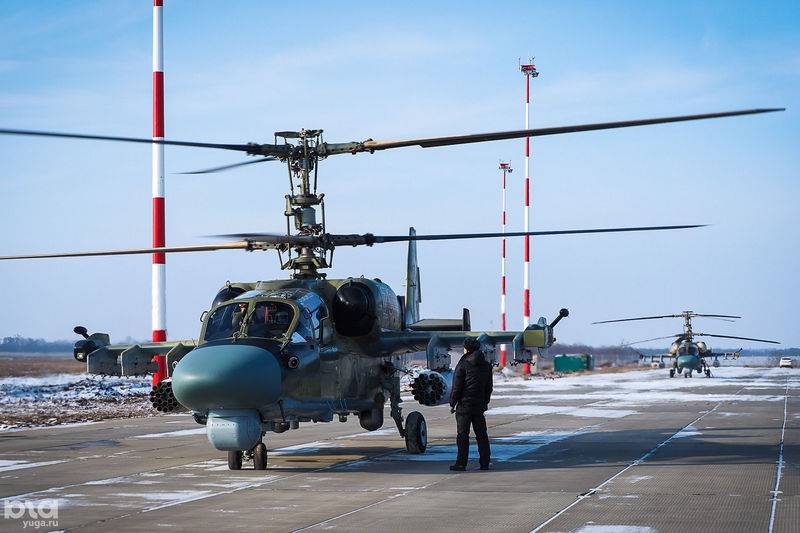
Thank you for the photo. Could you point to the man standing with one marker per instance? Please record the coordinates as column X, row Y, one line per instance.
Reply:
column 472, row 389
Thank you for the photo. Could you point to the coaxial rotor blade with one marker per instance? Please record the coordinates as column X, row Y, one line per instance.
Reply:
column 733, row 337
column 637, row 318
column 653, row 339
column 228, row 167
column 369, row 239
column 242, row 245
column 715, row 316
column 92, row 137
column 429, row 142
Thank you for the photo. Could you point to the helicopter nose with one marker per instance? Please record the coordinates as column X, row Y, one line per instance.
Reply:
column 227, row 376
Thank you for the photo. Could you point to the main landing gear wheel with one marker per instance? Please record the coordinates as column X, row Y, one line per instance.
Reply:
column 708, row 373
column 260, row 456
column 235, row 460
column 672, row 372
column 416, row 433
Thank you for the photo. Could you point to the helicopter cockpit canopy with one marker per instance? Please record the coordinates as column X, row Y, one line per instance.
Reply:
column 687, row 349
column 270, row 319
column 294, row 314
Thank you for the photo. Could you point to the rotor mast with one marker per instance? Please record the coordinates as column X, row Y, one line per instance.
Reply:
column 687, row 325
column 302, row 202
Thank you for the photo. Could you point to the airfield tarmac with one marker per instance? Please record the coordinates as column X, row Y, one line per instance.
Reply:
column 631, row 452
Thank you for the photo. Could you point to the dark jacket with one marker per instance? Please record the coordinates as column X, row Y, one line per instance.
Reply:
column 472, row 384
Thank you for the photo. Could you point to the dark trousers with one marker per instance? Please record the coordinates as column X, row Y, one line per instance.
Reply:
column 478, row 423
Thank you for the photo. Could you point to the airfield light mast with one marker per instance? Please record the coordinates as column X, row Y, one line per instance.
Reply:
column 529, row 70
column 159, row 274
column 505, row 169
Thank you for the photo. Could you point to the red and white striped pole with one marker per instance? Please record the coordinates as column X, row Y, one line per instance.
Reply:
column 505, row 168
column 159, row 279
column 529, row 70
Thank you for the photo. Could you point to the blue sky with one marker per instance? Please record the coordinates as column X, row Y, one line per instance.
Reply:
column 238, row 71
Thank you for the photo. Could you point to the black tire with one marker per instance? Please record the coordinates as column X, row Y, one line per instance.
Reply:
column 708, row 373
column 260, row 457
column 416, row 433
column 672, row 372
column 235, row 460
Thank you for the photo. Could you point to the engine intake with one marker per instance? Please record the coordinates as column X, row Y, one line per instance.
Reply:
column 354, row 310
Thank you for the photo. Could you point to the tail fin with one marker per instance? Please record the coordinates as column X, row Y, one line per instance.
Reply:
column 413, row 292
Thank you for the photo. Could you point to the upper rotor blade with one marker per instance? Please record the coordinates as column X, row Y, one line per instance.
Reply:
column 715, row 316
column 228, row 167
column 637, row 318
column 454, row 236
column 92, row 137
column 733, row 337
column 243, row 245
column 429, row 142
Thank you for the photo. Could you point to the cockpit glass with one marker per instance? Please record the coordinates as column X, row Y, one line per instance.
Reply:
column 225, row 321
column 270, row 320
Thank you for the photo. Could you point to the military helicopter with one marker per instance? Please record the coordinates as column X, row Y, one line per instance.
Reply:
column 689, row 356
column 273, row 354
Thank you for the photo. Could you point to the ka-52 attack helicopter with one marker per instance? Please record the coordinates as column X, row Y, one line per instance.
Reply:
column 689, row 356
column 273, row 354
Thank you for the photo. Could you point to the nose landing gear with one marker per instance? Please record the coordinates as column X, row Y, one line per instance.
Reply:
column 235, row 459
column 258, row 454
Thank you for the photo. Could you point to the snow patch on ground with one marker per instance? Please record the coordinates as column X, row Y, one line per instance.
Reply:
column 614, row 528
column 180, row 433
column 587, row 412
column 503, row 448
column 688, row 431
column 59, row 398
column 308, row 447
column 6, row 466
column 376, row 433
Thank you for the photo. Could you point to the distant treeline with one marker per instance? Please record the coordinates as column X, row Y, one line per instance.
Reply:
column 616, row 355
column 20, row 344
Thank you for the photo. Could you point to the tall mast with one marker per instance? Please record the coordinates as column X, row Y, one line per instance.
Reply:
column 529, row 70
column 505, row 169
column 159, row 274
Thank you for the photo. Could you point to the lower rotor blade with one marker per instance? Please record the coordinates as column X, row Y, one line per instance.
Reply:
column 243, row 245
column 715, row 316
column 228, row 167
column 733, row 337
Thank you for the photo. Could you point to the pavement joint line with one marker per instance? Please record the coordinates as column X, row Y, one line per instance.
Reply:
column 780, row 461
column 227, row 492
column 373, row 504
column 417, row 489
column 635, row 463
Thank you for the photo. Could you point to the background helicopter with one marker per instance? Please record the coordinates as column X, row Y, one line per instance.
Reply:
column 689, row 356
column 273, row 354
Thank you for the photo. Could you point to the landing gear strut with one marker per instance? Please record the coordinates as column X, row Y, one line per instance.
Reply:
column 416, row 430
